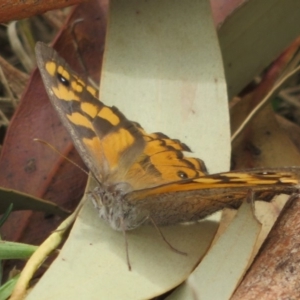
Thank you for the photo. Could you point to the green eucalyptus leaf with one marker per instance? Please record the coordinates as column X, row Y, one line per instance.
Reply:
column 22, row 201
column 7, row 288
column 12, row 250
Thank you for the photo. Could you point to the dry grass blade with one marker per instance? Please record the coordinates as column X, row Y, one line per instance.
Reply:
column 7, row 88
column 3, row 119
column 23, row 54
column 38, row 257
column 16, row 10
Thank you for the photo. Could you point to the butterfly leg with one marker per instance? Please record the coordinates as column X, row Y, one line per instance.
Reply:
column 165, row 240
column 126, row 243
column 250, row 198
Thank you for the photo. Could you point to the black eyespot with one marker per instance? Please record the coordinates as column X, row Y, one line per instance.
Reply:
column 182, row 175
column 63, row 80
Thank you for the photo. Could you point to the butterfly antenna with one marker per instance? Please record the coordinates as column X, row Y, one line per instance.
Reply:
column 69, row 160
column 55, row 150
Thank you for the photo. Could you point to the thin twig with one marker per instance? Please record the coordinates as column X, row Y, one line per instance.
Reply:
column 263, row 103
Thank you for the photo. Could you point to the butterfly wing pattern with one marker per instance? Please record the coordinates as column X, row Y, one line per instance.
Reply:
column 140, row 175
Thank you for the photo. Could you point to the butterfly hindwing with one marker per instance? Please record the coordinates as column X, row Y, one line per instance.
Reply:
column 195, row 199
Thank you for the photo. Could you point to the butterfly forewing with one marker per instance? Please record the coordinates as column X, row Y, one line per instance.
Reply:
column 102, row 135
column 114, row 148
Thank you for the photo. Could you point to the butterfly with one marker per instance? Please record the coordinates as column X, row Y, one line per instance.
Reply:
column 144, row 176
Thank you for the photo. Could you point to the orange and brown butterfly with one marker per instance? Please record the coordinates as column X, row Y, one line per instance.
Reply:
column 144, row 176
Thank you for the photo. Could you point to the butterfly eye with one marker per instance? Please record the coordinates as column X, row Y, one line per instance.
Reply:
column 182, row 175
column 63, row 80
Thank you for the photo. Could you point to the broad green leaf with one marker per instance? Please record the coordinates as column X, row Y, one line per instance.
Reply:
column 163, row 69
column 255, row 34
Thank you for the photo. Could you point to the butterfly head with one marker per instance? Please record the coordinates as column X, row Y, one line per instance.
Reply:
column 109, row 201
